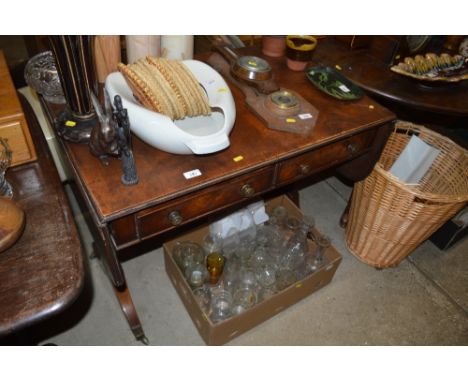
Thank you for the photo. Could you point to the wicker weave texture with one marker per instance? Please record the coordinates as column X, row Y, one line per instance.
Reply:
column 389, row 219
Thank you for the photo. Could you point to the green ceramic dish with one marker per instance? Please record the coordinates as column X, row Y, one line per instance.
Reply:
column 333, row 83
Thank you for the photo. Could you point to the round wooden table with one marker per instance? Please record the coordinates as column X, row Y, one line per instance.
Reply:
column 441, row 107
column 377, row 79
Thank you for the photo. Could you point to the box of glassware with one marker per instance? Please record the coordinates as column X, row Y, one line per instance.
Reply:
column 264, row 270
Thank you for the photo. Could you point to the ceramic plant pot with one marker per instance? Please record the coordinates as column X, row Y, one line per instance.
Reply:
column 274, row 46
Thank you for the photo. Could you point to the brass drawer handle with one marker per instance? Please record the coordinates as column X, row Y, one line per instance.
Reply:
column 175, row 218
column 352, row 148
column 247, row 190
column 304, row 169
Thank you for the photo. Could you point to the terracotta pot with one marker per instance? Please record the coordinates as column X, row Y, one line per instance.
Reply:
column 274, row 46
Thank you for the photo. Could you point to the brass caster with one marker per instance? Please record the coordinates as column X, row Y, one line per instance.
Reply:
column 144, row 340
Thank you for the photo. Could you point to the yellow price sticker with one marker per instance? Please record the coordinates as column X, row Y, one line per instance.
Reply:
column 291, row 120
column 252, row 63
column 222, row 90
column 70, row 123
column 238, row 158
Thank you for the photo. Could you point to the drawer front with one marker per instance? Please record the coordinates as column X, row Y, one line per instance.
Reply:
column 123, row 230
column 19, row 141
column 324, row 157
column 185, row 209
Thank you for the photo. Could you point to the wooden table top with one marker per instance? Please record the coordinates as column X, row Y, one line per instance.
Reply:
column 377, row 78
column 42, row 273
column 10, row 106
column 161, row 173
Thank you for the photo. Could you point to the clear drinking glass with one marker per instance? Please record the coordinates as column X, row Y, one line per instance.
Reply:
column 267, row 292
column 231, row 242
column 315, row 260
column 296, row 248
column 221, row 305
column 266, row 273
column 293, row 224
column 244, row 298
column 203, row 297
column 258, row 257
column 309, row 223
column 196, row 275
column 284, row 278
column 323, row 243
column 279, row 214
column 244, row 251
column 212, row 243
column 5, row 160
column 188, row 253
column 247, row 277
column 231, row 274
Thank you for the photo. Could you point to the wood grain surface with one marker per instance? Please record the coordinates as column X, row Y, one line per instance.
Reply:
column 161, row 173
column 42, row 273
column 376, row 77
column 11, row 223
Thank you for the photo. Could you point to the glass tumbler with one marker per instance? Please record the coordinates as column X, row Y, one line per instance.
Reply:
column 221, row 305
column 196, row 275
column 5, row 160
column 266, row 274
column 215, row 265
column 284, row 278
column 279, row 215
column 187, row 253
column 323, row 242
column 212, row 243
column 244, row 251
column 244, row 298
column 203, row 297
column 231, row 274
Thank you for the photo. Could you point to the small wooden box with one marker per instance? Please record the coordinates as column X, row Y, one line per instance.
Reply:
column 13, row 124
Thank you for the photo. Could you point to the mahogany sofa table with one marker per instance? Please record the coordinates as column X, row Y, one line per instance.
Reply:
column 348, row 135
column 42, row 273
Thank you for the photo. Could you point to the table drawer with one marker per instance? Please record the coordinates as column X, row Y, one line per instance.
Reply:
column 185, row 209
column 324, row 157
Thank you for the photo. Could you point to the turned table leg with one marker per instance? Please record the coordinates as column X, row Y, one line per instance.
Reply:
column 345, row 214
column 129, row 310
column 294, row 196
column 117, row 277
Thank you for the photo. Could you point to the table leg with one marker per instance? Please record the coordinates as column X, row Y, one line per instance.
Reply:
column 345, row 214
column 117, row 277
column 294, row 196
column 129, row 310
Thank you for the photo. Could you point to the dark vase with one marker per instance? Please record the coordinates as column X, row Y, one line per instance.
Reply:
column 75, row 67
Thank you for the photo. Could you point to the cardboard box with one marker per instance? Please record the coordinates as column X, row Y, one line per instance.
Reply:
column 224, row 331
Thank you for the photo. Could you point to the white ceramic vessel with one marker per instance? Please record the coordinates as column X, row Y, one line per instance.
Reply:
column 191, row 135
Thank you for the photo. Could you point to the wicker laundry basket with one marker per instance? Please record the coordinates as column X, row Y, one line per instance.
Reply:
column 389, row 219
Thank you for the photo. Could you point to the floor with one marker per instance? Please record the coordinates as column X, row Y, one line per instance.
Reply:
column 423, row 301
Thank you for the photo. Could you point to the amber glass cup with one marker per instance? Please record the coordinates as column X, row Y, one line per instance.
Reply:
column 215, row 265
